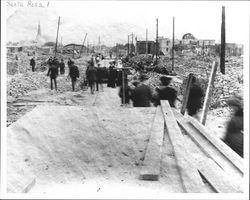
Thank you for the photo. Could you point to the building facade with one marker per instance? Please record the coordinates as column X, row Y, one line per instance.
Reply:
column 141, row 47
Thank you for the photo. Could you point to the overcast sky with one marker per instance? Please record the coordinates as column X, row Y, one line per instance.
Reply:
column 202, row 19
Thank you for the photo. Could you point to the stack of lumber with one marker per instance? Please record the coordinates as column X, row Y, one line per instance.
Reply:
column 201, row 158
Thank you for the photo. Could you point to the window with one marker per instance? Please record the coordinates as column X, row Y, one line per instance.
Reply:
column 167, row 49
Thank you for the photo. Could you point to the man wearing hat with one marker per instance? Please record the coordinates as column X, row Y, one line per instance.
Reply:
column 99, row 74
column 112, row 75
column 141, row 95
column 91, row 74
column 196, row 95
column 164, row 92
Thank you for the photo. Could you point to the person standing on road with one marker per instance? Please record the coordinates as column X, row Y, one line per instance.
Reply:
column 112, row 75
column 195, row 98
column 99, row 74
column 74, row 74
column 91, row 74
column 62, row 67
column 32, row 64
column 141, row 95
column 70, row 62
column 125, row 90
column 53, row 73
column 164, row 92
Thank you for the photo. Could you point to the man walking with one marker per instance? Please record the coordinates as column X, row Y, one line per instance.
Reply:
column 164, row 92
column 32, row 64
column 141, row 95
column 53, row 73
column 74, row 74
column 91, row 74
column 62, row 67
column 195, row 98
column 99, row 74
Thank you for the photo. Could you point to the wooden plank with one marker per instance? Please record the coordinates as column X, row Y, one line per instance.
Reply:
column 186, row 95
column 208, row 93
column 152, row 162
column 206, row 147
column 190, row 177
column 213, row 175
column 217, row 178
column 29, row 186
column 233, row 157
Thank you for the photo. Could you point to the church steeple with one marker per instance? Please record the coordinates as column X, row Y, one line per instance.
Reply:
column 39, row 29
column 39, row 34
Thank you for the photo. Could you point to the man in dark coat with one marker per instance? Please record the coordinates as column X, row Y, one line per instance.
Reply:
column 195, row 98
column 234, row 131
column 53, row 73
column 164, row 92
column 70, row 62
column 112, row 76
column 62, row 67
column 126, row 90
column 50, row 61
column 141, row 95
column 99, row 76
column 74, row 74
column 91, row 74
column 32, row 64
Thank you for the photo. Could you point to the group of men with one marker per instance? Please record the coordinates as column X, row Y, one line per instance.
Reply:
column 95, row 75
column 142, row 96
column 54, row 65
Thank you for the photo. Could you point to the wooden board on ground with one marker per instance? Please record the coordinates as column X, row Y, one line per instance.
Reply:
column 220, row 145
column 217, row 178
column 192, row 182
column 152, row 161
column 207, row 147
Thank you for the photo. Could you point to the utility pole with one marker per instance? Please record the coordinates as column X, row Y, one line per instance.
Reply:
column 223, row 42
column 156, row 46
column 136, row 45
column 173, row 48
column 132, row 43
column 83, row 44
column 88, row 47
column 116, row 50
column 57, row 35
column 146, row 42
column 128, row 45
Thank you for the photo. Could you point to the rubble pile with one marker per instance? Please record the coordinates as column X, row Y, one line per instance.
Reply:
column 224, row 86
column 20, row 84
column 17, row 63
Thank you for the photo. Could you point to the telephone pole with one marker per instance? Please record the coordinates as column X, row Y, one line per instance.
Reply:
column 132, row 43
column 173, row 48
column 156, row 46
column 57, row 35
column 128, row 45
column 146, row 42
column 223, row 42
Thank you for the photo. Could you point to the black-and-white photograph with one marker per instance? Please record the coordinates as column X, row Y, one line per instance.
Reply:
column 124, row 99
